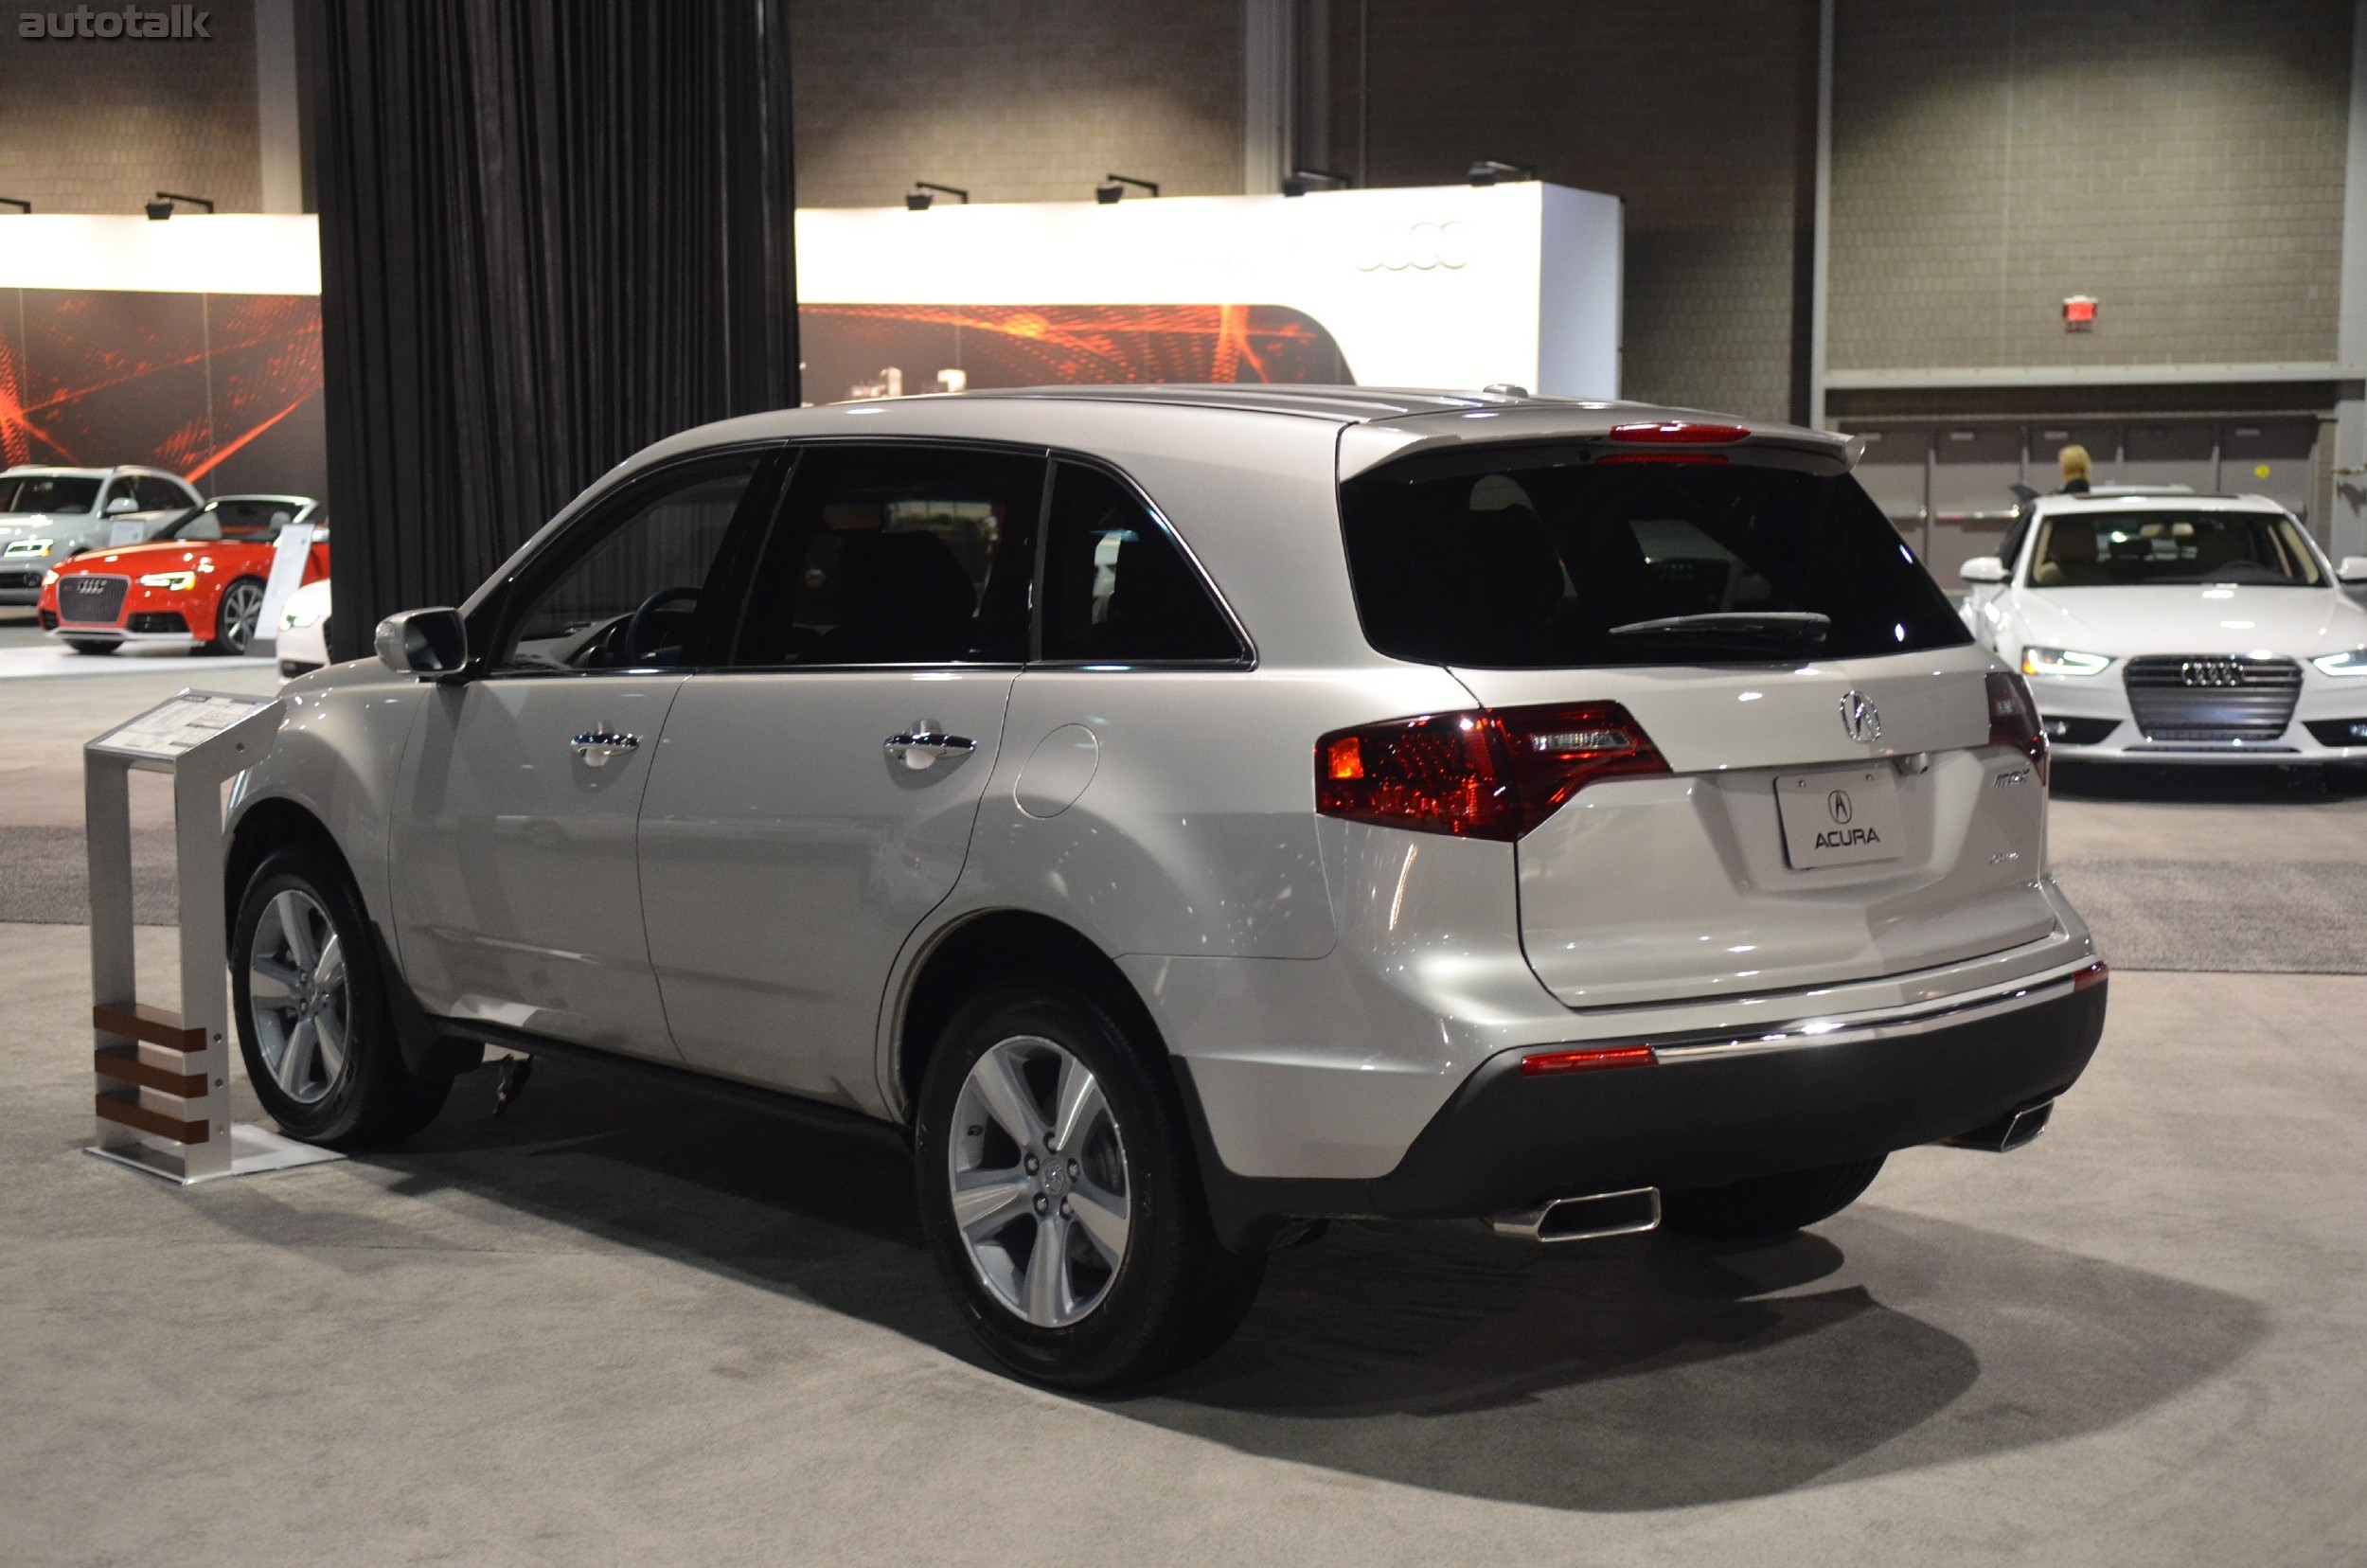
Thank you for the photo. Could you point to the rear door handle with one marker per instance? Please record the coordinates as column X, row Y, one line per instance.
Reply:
column 597, row 747
column 924, row 744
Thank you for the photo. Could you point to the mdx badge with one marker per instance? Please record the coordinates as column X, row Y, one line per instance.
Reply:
column 1859, row 717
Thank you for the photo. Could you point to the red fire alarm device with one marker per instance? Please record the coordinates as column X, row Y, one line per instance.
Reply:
column 2079, row 314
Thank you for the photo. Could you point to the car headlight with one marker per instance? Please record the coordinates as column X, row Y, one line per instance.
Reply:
column 293, row 619
column 16, row 548
column 179, row 582
column 50, row 577
column 2062, row 661
column 2351, row 662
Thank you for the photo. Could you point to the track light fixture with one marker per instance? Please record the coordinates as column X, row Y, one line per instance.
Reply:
column 161, row 208
column 18, row 202
column 1116, row 188
column 1299, row 181
column 1488, row 172
column 919, row 199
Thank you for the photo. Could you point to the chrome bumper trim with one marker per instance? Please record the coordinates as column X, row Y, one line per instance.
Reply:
column 1812, row 1033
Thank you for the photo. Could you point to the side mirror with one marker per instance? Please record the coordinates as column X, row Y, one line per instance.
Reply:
column 2351, row 569
column 1983, row 569
column 121, row 505
column 423, row 642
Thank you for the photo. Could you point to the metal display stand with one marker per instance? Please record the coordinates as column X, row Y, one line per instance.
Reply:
column 163, row 1078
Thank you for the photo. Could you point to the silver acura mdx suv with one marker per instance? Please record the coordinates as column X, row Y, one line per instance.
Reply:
column 1190, row 814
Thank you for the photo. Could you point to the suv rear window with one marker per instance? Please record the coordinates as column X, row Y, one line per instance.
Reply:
column 1537, row 561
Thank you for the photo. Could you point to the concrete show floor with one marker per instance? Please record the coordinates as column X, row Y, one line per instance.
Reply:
column 624, row 1323
column 623, row 1326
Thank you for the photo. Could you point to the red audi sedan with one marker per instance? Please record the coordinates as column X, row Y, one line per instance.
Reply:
column 199, row 583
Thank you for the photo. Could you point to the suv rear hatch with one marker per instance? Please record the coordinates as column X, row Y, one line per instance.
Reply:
column 1838, row 787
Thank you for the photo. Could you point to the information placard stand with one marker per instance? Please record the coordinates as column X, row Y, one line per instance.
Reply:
column 163, row 1078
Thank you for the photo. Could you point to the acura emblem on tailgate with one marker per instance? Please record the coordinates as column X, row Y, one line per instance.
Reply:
column 1857, row 716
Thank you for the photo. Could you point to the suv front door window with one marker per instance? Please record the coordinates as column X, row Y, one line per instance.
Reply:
column 517, row 898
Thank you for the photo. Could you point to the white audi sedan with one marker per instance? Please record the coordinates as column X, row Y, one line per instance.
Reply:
column 1186, row 815
column 2162, row 625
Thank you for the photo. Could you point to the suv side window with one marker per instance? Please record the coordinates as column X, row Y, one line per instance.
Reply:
column 160, row 495
column 898, row 555
column 630, row 596
column 1117, row 587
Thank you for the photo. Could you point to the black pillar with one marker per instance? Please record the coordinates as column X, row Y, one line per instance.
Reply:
column 552, row 231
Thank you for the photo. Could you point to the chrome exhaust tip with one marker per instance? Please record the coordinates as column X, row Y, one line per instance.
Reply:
column 1589, row 1217
column 2008, row 1133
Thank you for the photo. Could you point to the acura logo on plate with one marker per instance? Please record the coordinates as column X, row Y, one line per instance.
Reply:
column 1838, row 803
column 1857, row 716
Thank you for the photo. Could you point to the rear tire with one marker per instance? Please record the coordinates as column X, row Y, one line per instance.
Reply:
column 310, row 1004
column 1768, row 1205
column 1140, row 1285
column 91, row 645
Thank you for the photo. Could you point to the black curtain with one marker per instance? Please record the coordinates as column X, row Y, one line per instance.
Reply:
column 552, row 231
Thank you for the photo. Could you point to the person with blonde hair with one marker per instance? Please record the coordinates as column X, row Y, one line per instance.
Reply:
column 2073, row 460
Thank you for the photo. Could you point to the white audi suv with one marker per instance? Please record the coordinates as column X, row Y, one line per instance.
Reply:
column 1191, row 814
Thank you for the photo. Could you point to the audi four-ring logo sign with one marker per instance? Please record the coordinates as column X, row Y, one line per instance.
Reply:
column 1423, row 286
column 2210, row 672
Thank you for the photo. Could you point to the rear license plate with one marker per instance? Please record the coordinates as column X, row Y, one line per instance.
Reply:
column 1846, row 817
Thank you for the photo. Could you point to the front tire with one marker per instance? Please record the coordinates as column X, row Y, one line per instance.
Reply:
column 1768, row 1205
column 236, row 616
column 1060, row 1197
column 310, row 1006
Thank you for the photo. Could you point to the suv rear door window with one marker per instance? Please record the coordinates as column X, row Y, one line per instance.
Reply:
column 898, row 555
column 1117, row 587
column 1545, row 559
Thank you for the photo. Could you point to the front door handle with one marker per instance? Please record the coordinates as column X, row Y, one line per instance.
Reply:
column 924, row 744
column 597, row 746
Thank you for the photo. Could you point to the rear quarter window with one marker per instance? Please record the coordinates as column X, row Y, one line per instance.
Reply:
column 1537, row 561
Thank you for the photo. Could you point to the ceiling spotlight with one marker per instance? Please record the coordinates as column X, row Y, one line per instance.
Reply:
column 1116, row 184
column 1488, row 172
column 1301, row 181
column 919, row 198
column 17, row 203
column 161, row 208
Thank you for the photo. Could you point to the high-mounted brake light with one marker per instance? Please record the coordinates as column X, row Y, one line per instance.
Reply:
column 1660, row 457
column 1593, row 1058
column 1679, row 433
column 2014, row 720
column 1489, row 773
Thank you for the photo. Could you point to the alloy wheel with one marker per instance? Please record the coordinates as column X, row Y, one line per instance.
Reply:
column 298, row 997
column 1039, row 1181
column 241, row 606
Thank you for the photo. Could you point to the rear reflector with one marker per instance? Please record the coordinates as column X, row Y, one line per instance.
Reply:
column 1679, row 433
column 1591, row 1058
column 2089, row 978
column 1489, row 772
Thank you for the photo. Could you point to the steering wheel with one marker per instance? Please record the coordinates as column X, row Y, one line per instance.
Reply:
column 639, row 629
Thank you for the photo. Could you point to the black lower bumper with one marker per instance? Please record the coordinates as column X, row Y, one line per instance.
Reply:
column 1704, row 1115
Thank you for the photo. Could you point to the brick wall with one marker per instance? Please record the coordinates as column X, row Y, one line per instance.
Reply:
column 101, row 125
column 1015, row 101
column 2181, row 160
column 1693, row 111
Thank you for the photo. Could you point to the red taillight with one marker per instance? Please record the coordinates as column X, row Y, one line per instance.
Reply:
column 1591, row 1058
column 2014, row 720
column 1679, row 433
column 1490, row 773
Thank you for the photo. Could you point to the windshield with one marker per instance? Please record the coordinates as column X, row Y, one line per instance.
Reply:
column 1545, row 560
column 246, row 522
column 47, row 492
column 2111, row 549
